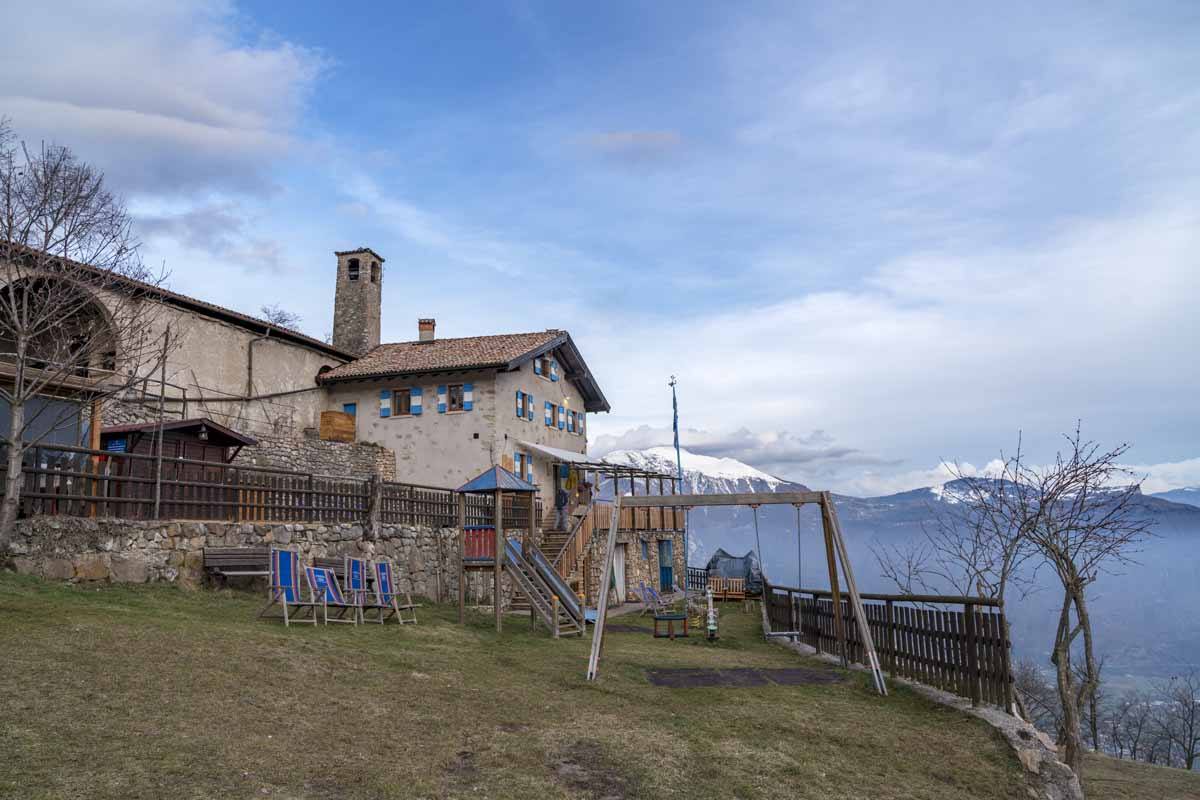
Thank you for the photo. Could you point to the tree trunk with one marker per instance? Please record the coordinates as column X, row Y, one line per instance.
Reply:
column 1069, row 737
column 13, row 478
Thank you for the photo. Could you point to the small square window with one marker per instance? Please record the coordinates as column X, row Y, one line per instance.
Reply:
column 454, row 397
column 401, row 402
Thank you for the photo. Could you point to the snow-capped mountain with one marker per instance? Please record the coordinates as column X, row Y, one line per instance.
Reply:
column 704, row 474
column 1189, row 496
column 730, row 527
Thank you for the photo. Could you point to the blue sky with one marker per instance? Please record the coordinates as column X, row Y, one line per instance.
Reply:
column 866, row 238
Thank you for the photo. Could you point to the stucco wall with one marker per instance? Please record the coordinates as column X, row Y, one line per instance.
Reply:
column 451, row 448
column 510, row 430
column 210, row 360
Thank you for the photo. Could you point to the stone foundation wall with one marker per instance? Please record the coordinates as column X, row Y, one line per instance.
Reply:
column 636, row 568
column 134, row 551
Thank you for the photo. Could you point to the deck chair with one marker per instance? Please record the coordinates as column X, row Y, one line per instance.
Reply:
column 355, row 586
column 652, row 599
column 327, row 594
column 387, row 601
column 284, row 588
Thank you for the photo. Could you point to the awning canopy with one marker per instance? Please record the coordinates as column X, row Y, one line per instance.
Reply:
column 493, row 479
column 582, row 462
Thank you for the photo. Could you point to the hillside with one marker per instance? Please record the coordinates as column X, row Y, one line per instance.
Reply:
column 152, row 691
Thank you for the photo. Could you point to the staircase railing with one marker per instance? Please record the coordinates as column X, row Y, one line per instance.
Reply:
column 567, row 560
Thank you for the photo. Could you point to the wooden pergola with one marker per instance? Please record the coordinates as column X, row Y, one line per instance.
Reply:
column 835, row 553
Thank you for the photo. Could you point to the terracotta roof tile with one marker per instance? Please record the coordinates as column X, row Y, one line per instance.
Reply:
column 440, row 355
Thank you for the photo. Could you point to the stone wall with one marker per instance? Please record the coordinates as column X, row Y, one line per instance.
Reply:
column 310, row 453
column 128, row 551
column 636, row 568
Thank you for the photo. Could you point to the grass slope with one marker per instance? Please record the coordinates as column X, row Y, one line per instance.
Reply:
column 153, row 691
column 1107, row 778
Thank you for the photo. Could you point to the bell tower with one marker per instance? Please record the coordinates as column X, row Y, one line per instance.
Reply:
column 357, row 301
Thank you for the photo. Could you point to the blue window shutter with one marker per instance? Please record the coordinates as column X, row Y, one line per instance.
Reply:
column 553, row 370
column 385, row 403
column 468, row 396
column 441, row 399
column 537, row 366
column 415, row 406
column 549, row 414
column 529, row 406
column 562, row 418
column 520, row 410
column 529, row 469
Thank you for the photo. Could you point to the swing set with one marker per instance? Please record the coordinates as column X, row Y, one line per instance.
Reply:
column 835, row 554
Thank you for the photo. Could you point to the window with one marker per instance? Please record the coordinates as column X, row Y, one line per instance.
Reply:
column 554, row 416
column 570, row 422
column 350, row 408
column 579, row 420
column 645, row 550
column 374, row 272
column 455, row 397
column 352, row 269
column 401, row 402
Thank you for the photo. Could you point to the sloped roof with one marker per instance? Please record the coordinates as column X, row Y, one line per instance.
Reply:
column 204, row 307
column 220, row 434
column 501, row 351
column 494, row 478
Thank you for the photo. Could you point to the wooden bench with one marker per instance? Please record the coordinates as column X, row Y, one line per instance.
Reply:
column 670, row 619
column 233, row 562
column 735, row 588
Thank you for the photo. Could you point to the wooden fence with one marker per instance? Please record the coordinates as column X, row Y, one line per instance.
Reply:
column 957, row 644
column 598, row 518
column 74, row 481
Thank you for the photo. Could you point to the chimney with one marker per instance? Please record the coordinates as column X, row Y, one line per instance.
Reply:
column 425, row 329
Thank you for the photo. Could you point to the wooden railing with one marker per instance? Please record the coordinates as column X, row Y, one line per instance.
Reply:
column 75, row 481
column 652, row 519
column 957, row 644
column 697, row 579
column 598, row 517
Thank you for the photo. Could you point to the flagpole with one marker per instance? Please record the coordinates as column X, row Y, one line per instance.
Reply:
column 679, row 473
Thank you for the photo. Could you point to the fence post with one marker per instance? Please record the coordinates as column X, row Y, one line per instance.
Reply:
column 375, row 510
column 891, row 639
column 972, row 655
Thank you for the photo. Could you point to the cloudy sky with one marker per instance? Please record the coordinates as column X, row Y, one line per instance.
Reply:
column 865, row 239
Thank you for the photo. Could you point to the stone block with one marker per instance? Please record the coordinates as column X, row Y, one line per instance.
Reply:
column 91, row 567
column 130, row 569
column 58, row 569
column 26, row 566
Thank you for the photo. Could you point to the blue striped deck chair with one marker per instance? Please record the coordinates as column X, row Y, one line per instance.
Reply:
column 356, row 582
column 387, row 601
column 653, row 600
column 284, row 589
column 327, row 594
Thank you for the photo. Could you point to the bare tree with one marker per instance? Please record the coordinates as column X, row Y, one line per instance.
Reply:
column 280, row 317
column 1038, row 697
column 1077, row 517
column 1080, row 514
column 1180, row 720
column 74, row 323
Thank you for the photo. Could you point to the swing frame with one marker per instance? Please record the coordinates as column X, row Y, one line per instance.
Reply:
column 835, row 554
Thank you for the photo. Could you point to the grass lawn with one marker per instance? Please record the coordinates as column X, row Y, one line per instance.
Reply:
column 154, row 691
column 1109, row 779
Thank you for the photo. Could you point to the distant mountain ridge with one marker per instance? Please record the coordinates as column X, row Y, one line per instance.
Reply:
column 1188, row 496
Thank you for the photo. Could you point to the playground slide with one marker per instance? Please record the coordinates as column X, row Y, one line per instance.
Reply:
column 550, row 575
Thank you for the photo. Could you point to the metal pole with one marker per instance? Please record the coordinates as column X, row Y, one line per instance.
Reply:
column 679, row 472
column 162, row 389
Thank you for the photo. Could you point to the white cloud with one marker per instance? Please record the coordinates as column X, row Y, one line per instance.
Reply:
column 166, row 97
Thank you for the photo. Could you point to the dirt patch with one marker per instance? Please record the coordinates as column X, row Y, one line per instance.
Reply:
column 610, row 628
column 692, row 678
column 512, row 727
column 583, row 767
